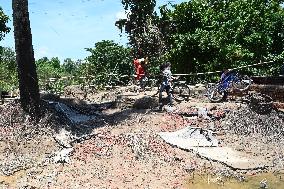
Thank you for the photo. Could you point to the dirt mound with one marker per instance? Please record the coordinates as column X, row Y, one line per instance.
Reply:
column 146, row 102
column 247, row 122
column 75, row 91
column 24, row 144
column 49, row 96
column 261, row 103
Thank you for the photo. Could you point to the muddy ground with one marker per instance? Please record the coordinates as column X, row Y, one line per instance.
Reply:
column 118, row 146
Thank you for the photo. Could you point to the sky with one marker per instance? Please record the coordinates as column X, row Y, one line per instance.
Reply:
column 64, row 28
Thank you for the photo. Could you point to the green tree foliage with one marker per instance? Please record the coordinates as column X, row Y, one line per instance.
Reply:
column 48, row 68
column 144, row 32
column 206, row 35
column 3, row 21
column 8, row 69
column 139, row 25
column 52, row 74
column 107, row 58
column 7, row 57
column 70, row 67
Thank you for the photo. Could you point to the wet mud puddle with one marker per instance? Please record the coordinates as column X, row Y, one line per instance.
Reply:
column 259, row 181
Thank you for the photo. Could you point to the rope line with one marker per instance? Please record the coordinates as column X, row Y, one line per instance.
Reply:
column 207, row 73
column 192, row 74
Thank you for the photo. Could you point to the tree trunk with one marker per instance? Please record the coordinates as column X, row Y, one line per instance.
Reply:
column 28, row 81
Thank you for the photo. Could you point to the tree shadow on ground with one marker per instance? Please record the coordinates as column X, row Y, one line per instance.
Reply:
column 95, row 111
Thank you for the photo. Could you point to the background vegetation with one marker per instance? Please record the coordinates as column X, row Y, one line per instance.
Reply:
column 205, row 35
column 8, row 69
column 195, row 36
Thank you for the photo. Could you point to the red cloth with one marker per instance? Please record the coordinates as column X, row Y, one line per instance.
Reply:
column 139, row 70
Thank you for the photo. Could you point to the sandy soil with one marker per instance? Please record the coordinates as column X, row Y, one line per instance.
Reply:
column 119, row 148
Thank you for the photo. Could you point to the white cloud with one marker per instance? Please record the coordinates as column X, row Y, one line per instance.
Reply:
column 121, row 15
column 41, row 52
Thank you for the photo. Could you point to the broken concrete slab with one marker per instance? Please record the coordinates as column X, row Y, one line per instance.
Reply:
column 63, row 156
column 232, row 158
column 64, row 138
column 203, row 143
column 170, row 109
column 190, row 137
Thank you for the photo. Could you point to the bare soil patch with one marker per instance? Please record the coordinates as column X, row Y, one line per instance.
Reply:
column 120, row 148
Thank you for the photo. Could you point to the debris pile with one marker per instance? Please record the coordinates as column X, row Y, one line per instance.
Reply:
column 261, row 103
column 246, row 122
column 100, row 146
column 22, row 141
column 142, row 146
column 75, row 91
column 11, row 113
column 149, row 146
column 146, row 102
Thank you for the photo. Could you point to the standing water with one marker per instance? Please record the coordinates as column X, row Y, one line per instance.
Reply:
column 259, row 181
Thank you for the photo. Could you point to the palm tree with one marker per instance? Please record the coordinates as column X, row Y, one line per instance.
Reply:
column 28, row 81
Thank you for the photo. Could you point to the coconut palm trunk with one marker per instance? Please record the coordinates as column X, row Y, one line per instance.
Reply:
column 28, row 81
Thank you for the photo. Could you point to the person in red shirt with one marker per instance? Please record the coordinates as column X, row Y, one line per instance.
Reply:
column 140, row 70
